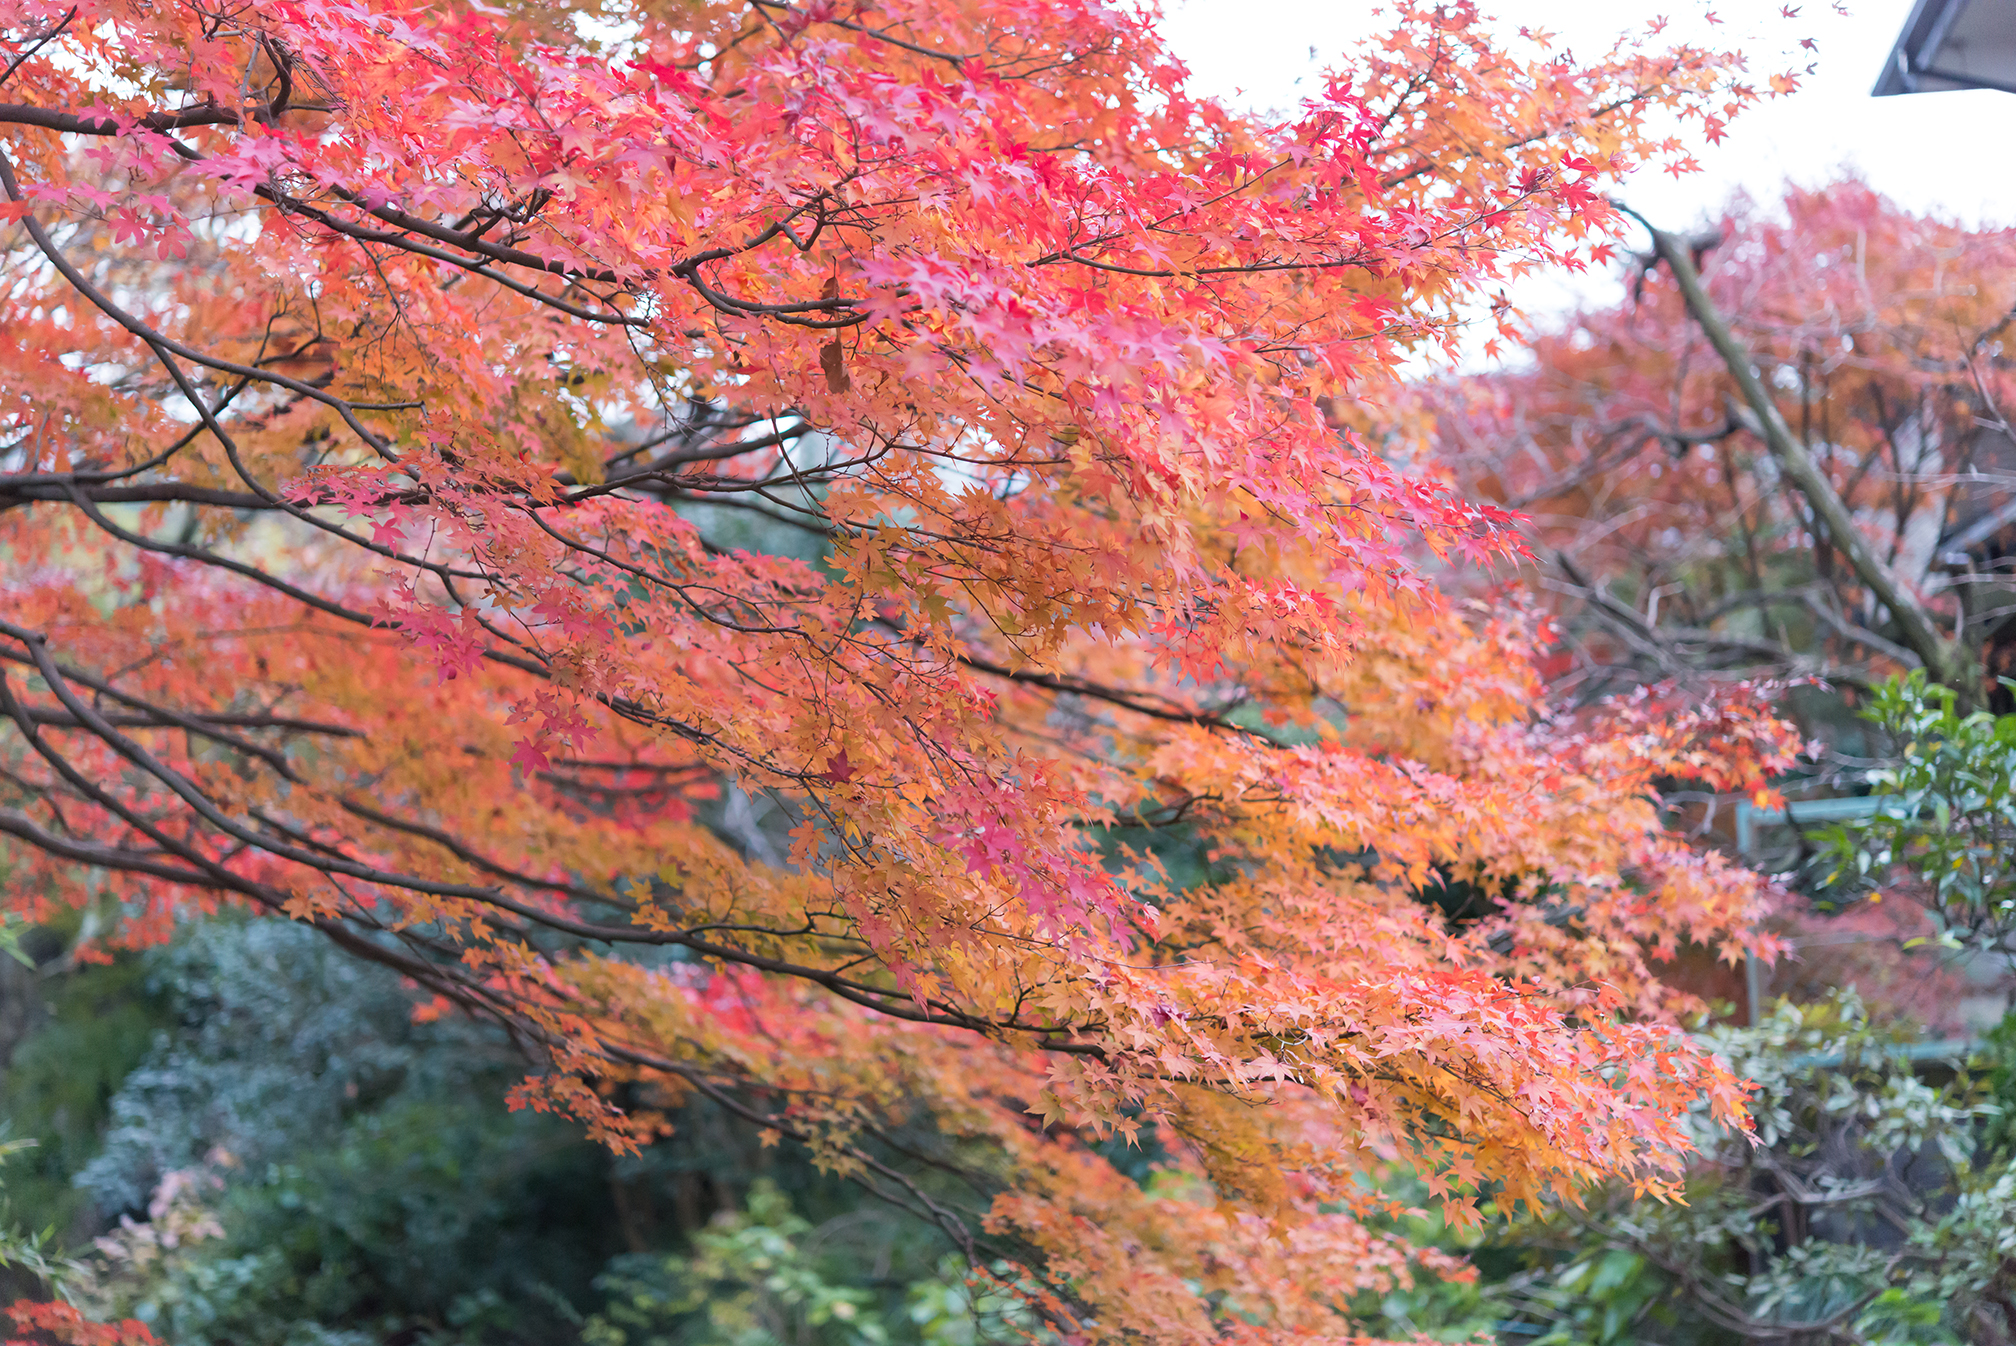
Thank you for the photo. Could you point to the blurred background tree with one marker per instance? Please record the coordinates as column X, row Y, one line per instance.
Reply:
column 1665, row 525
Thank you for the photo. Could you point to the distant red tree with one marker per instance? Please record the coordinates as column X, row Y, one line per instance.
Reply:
column 1674, row 536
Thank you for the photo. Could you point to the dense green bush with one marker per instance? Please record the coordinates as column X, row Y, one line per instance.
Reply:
column 769, row 1277
column 1948, row 838
column 281, row 1154
column 1868, row 1208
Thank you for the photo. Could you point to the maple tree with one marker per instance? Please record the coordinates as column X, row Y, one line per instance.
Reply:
column 1844, row 514
column 380, row 381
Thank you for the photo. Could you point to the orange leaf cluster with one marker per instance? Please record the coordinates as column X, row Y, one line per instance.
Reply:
column 56, row 1323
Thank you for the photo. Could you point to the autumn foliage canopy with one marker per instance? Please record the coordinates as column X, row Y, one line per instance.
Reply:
column 401, row 406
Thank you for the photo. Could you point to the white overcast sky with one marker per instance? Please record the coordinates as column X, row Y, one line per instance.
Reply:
column 1953, row 154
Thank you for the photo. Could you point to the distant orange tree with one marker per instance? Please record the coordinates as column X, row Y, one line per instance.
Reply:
column 402, row 408
column 1668, row 507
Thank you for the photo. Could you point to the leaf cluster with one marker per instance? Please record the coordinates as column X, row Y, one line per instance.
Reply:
column 1946, row 835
